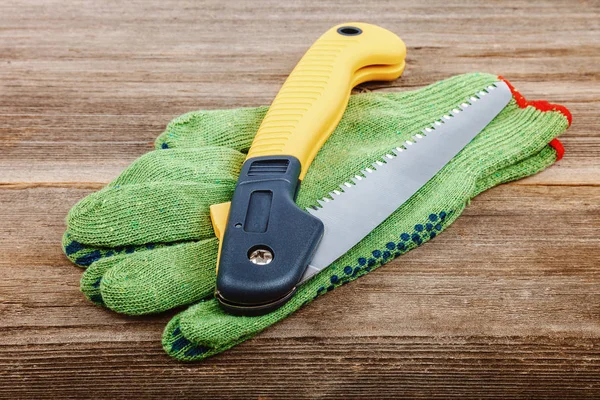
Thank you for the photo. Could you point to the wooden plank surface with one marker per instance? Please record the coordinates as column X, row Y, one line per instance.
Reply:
column 504, row 304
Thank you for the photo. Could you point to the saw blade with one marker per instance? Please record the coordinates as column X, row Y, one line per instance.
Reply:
column 354, row 211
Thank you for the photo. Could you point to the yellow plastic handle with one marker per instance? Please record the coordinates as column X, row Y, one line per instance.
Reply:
column 313, row 98
column 219, row 212
column 310, row 119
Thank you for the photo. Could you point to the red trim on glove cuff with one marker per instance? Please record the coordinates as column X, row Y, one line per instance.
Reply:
column 542, row 105
column 558, row 147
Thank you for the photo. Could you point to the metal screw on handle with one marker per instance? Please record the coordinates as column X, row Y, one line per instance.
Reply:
column 261, row 256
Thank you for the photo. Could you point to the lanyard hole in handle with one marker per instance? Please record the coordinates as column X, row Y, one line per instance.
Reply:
column 349, row 31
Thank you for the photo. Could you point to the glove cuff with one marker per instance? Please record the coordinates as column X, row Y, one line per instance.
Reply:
column 542, row 105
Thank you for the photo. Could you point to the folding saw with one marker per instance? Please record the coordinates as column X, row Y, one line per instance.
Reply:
column 268, row 245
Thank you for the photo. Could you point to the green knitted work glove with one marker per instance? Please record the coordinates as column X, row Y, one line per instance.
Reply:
column 147, row 241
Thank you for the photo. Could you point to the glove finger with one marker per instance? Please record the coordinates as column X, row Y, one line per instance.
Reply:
column 204, row 329
column 226, row 128
column 147, row 213
column 154, row 280
column 208, row 164
column 219, row 166
column 164, row 196
column 91, row 278
column 84, row 255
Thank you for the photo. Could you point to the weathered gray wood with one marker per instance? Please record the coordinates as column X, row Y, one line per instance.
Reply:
column 504, row 304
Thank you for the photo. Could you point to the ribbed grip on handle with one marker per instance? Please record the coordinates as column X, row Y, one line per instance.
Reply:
column 313, row 98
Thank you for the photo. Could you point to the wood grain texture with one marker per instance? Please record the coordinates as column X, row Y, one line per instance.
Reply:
column 505, row 304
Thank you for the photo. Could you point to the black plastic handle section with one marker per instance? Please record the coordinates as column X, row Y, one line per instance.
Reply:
column 268, row 241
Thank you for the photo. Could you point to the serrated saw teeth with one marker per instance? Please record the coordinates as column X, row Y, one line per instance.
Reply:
column 347, row 221
column 395, row 152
